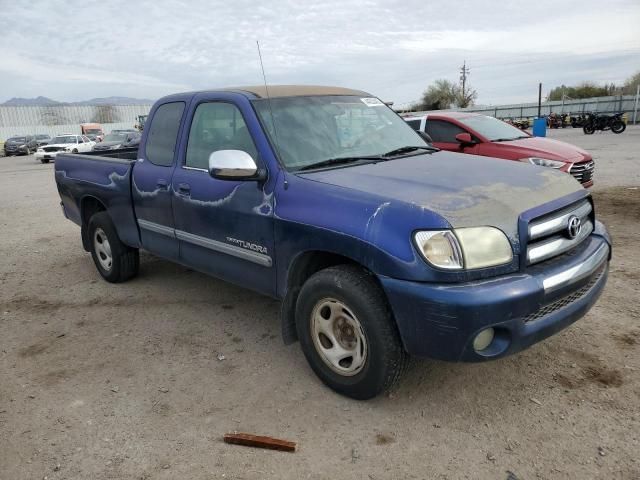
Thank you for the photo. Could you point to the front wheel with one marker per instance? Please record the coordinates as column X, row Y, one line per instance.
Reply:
column 618, row 126
column 348, row 334
column 44, row 160
column 115, row 261
column 589, row 129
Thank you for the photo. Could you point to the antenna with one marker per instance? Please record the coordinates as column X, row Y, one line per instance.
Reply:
column 273, row 120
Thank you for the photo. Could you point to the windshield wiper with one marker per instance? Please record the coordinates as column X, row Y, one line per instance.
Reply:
column 409, row 148
column 509, row 139
column 339, row 161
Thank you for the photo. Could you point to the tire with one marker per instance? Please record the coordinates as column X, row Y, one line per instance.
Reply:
column 115, row 261
column 349, row 298
column 75, row 150
column 618, row 126
column 44, row 160
column 588, row 129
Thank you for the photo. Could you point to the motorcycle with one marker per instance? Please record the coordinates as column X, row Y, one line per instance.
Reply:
column 577, row 121
column 596, row 121
column 554, row 121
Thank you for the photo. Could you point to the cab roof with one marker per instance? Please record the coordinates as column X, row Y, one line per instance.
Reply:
column 276, row 91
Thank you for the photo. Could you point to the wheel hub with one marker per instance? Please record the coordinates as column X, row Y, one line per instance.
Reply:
column 103, row 249
column 338, row 337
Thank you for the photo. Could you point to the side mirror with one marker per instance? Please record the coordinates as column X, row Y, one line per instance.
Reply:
column 233, row 165
column 464, row 139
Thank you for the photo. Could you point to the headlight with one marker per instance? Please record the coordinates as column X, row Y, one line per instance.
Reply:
column 543, row 162
column 440, row 248
column 468, row 248
column 40, row 150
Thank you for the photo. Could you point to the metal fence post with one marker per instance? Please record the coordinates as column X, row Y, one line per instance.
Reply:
column 635, row 106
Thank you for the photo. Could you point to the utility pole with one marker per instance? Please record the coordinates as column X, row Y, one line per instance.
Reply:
column 464, row 71
column 539, row 99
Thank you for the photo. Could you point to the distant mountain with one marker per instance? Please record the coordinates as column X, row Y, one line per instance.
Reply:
column 44, row 102
column 115, row 101
column 39, row 101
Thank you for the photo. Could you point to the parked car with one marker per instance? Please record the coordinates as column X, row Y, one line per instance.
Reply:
column 379, row 245
column 141, row 121
column 478, row 134
column 93, row 131
column 42, row 139
column 125, row 130
column 20, row 145
column 67, row 143
column 114, row 141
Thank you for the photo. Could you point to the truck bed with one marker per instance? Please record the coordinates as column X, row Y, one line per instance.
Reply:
column 99, row 180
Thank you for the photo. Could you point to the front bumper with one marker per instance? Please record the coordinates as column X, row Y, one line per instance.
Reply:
column 441, row 320
column 47, row 155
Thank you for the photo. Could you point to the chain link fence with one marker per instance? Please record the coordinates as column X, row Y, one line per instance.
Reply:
column 613, row 104
column 59, row 119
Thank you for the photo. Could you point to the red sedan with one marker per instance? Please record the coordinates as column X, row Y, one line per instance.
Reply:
column 478, row 134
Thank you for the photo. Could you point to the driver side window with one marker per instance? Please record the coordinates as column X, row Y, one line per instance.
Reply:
column 441, row 131
column 217, row 126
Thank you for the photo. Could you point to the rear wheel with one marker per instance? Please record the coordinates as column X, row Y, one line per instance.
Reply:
column 618, row 126
column 44, row 160
column 115, row 261
column 347, row 332
column 588, row 129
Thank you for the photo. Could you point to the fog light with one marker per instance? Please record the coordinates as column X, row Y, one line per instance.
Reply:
column 483, row 339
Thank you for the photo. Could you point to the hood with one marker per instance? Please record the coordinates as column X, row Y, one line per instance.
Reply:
column 466, row 190
column 61, row 145
column 544, row 147
column 108, row 144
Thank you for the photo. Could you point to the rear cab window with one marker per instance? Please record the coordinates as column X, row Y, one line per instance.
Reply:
column 415, row 124
column 163, row 133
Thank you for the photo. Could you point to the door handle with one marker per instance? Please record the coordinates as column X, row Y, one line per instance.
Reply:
column 162, row 184
column 184, row 189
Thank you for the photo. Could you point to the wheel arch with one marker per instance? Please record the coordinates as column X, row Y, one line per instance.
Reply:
column 89, row 206
column 301, row 268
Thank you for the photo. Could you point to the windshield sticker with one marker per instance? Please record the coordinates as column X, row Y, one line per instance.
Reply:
column 372, row 102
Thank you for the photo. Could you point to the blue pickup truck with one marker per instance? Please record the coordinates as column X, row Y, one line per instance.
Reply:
column 380, row 246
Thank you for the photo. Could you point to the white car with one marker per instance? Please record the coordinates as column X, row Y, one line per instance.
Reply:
column 67, row 143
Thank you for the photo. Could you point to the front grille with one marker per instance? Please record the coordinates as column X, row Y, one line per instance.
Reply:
column 550, row 235
column 52, row 149
column 583, row 172
column 568, row 299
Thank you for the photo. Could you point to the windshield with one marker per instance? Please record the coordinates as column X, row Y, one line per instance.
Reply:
column 115, row 137
column 492, row 128
column 310, row 130
column 17, row 139
column 92, row 131
column 64, row 140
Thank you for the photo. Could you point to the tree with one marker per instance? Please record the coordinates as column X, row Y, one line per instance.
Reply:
column 582, row 90
column 105, row 114
column 438, row 96
column 466, row 100
column 631, row 84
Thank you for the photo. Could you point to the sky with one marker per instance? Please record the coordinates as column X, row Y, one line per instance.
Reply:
column 75, row 50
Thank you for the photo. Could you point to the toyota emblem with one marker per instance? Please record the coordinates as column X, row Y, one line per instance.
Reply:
column 573, row 227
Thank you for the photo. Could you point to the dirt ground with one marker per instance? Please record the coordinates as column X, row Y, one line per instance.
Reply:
column 101, row 381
